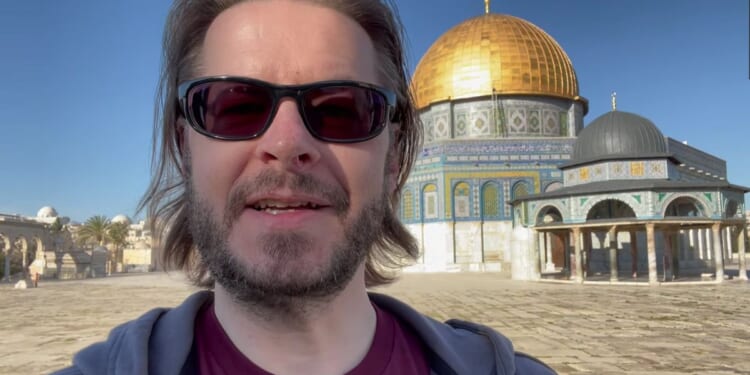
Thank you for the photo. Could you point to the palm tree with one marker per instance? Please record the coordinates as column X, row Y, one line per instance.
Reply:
column 95, row 229
column 57, row 226
column 118, row 235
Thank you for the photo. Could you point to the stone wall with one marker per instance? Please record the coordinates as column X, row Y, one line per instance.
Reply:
column 463, row 246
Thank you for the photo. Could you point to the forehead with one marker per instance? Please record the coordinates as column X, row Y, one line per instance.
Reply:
column 288, row 42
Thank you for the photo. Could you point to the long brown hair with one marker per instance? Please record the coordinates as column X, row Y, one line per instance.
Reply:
column 166, row 197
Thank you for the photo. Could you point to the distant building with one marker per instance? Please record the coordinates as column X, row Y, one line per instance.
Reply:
column 137, row 255
column 510, row 180
column 499, row 101
column 32, row 245
column 22, row 240
column 634, row 202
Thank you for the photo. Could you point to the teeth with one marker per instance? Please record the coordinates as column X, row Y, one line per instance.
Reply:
column 275, row 206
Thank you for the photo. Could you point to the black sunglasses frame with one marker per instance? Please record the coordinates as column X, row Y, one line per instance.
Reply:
column 278, row 92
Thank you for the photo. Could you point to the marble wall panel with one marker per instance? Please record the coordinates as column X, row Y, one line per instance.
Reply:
column 438, row 244
column 468, row 242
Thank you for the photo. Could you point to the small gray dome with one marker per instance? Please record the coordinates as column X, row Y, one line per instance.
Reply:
column 619, row 135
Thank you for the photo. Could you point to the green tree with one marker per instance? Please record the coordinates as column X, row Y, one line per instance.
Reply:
column 118, row 234
column 94, row 230
column 57, row 226
column 59, row 233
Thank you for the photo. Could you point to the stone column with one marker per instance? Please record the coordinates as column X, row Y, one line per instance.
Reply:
column 728, row 246
column 452, row 250
column 24, row 261
column 536, row 271
column 741, row 237
column 718, row 252
column 653, row 277
column 612, row 235
column 668, row 272
column 678, row 254
column 548, row 248
column 634, row 254
column 578, row 264
column 707, row 243
column 587, row 245
column 550, row 260
column 567, row 265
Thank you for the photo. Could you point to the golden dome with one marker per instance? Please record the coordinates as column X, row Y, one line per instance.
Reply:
column 494, row 51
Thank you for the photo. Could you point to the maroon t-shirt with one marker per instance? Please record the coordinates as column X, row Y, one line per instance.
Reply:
column 394, row 350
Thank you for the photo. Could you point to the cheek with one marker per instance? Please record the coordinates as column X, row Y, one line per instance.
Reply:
column 213, row 169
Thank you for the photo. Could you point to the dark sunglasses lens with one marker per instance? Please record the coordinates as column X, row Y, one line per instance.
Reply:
column 344, row 113
column 230, row 109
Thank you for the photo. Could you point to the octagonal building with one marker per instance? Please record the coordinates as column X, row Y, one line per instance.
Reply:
column 498, row 98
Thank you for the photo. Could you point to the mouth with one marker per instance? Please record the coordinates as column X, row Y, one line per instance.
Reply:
column 278, row 207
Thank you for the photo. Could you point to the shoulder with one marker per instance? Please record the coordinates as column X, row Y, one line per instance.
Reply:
column 512, row 361
column 461, row 347
column 165, row 333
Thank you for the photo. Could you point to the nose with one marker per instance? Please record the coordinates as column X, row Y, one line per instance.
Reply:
column 287, row 141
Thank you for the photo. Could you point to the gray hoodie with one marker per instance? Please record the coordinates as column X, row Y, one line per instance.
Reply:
column 160, row 342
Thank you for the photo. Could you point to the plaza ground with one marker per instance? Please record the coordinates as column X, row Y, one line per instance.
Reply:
column 577, row 329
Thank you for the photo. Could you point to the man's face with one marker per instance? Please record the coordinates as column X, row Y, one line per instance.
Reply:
column 291, row 212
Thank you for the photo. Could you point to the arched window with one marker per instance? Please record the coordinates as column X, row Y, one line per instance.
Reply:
column 491, row 200
column 407, row 205
column 429, row 202
column 520, row 189
column 461, row 205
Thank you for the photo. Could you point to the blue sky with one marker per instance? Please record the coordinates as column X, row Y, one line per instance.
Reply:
column 79, row 80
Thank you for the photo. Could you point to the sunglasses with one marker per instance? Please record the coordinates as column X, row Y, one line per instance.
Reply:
column 236, row 108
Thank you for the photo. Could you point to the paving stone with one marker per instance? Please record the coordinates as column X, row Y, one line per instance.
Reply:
column 590, row 329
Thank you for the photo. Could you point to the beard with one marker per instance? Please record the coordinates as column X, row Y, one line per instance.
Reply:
column 283, row 285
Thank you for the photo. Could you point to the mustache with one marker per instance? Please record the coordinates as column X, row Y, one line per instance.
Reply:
column 269, row 180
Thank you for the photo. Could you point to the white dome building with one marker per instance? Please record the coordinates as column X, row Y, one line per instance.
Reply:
column 121, row 219
column 47, row 215
column 47, row 212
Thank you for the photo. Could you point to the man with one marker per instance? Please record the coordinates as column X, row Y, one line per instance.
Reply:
column 287, row 130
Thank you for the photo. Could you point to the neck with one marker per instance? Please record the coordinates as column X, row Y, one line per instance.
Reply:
column 325, row 336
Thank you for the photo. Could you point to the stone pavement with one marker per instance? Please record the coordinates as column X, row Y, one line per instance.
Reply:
column 590, row 329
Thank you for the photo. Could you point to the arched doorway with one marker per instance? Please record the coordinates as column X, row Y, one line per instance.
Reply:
column 732, row 210
column 554, row 255
column 610, row 209
column 19, row 256
column 684, row 207
column 600, row 261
